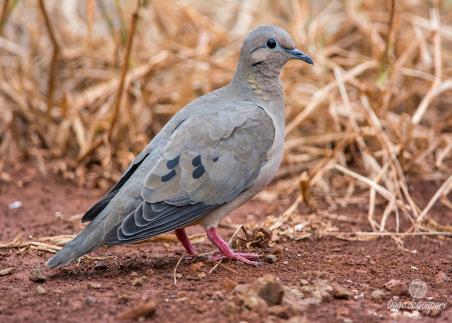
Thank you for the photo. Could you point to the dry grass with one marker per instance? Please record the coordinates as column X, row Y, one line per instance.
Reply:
column 84, row 85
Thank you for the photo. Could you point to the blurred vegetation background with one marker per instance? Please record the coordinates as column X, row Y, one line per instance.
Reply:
column 85, row 84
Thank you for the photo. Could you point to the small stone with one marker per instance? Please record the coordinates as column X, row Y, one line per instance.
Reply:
column 124, row 298
column 397, row 287
column 6, row 271
column 100, row 265
column 286, row 262
column 196, row 266
column 272, row 291
column 378, row 295
column 229, row 284
column 201, row 275
column 76, row 305
column 440, row 277
column 217, row 296
column 271, row 259
column 304, row 282
column 258, row 296
column 94, row 285
column 229, row 308
column 277, row 250
column 89, row 300
column 139, row 281
column 341, row 292
column 37, row 276
column 40, row 290
column 179, row 276
column 15, row 205
column 282, row 311
column 320, row 290
column 435, row 312
column 142, row 310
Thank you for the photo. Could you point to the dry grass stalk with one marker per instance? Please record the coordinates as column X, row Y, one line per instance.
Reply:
column 125, row 67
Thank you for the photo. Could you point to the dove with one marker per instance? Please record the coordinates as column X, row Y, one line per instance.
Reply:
column 210, row 158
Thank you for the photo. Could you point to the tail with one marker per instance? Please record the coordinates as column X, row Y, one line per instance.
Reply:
column 86, row 241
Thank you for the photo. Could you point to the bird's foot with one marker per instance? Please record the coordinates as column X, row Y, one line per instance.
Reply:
column 225, row 251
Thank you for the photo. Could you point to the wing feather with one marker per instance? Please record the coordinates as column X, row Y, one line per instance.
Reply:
column 207, row 161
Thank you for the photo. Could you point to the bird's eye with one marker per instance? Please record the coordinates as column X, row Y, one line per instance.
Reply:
column 271, row 43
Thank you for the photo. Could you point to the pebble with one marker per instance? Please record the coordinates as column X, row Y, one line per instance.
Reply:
column 76, row 305
column 378, row 294
column 100, row 265
column 396, row 287
column 89, row 300
column 340, row 292
column 271, row 259
column 41, row 290
column 139, row 281
column 277, row 250
column 304, row 282
column 271, row 291
column 139, row 312
column 201, row 275
column 229, row 284
column 15, row 205
column 196, row 266
column 440, row 277
column 37, row 276
column 94, row 285
column 6, row 271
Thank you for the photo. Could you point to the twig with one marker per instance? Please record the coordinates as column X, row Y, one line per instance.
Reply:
column 55, row 57
column 4, row 15
column 125, row 67
column 432, row 93
column 387, row 234
column 175, row 268
column 388, row 40
column 446, row 187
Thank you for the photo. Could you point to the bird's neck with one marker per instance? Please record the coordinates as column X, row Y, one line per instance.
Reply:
column 259, row 81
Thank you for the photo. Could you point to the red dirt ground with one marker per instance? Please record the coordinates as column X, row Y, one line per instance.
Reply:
column 83, row 292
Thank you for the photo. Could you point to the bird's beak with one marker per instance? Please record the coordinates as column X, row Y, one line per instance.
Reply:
column 298, row 54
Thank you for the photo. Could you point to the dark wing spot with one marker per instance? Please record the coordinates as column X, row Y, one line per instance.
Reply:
column 167, row 177
column 198, row 172
column 173, row 162
column 196, row 161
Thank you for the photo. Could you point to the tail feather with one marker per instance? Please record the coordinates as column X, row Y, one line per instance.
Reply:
column 84, row 242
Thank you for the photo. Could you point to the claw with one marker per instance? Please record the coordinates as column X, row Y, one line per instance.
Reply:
column 225, row 252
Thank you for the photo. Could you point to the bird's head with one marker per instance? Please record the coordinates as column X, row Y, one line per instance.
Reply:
column 270, row 47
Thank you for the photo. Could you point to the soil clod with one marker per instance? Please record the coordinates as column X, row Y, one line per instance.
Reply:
column 36, row 275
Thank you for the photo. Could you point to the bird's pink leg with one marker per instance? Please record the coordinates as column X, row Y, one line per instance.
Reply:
column 227, row 252
column 182, row 236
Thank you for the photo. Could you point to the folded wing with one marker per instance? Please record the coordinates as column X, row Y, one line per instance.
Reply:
column 208, row 160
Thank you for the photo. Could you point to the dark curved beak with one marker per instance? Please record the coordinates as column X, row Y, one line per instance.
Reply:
column 298, row 54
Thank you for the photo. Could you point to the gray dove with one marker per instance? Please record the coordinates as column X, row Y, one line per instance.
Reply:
column 211, row 157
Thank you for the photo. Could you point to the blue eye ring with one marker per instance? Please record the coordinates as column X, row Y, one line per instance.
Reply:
column 271, row 43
